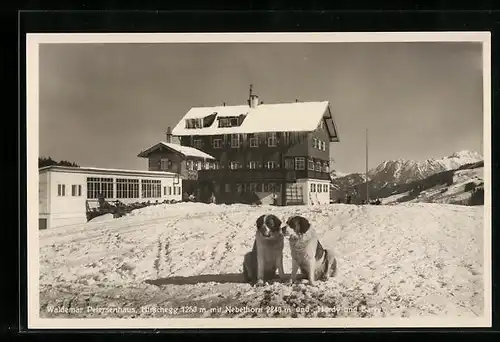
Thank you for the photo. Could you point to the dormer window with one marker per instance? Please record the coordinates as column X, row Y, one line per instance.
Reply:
column 224, row 122
column 231, row 121
column 194, row 123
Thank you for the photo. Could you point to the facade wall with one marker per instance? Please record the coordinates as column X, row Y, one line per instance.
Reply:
column 68, row 194
column 311, row 194
column 43, row 193
column 176, row 164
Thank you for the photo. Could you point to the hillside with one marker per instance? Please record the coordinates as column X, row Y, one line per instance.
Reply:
column 411, row 260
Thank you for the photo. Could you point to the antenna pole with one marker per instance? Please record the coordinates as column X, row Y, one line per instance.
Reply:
column 366, row 170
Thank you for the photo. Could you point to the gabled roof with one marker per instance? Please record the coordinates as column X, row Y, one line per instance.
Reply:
column 184, row 150
column 106, row 171
column 279, row 117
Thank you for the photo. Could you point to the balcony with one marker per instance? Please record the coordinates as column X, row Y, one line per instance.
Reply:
column 252, row 175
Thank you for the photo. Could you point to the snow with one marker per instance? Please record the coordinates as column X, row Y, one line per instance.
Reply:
column 278, row 117
column 409, row 260
column 188, row 151
column 185, row 150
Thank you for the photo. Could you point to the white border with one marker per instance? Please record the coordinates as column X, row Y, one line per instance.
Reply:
column 32, row 42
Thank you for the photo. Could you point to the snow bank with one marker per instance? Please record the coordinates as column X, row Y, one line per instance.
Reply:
column 400, row 261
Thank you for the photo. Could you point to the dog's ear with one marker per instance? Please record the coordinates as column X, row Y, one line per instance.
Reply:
column 303, row 224
column 275, row 221
column 260, row 221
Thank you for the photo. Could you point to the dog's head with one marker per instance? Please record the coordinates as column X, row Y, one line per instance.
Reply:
column 268, row 226
column 296, row 226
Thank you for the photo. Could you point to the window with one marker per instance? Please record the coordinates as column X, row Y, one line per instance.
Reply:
column 318, row 166
column 198, row 165
column 217, row 142
column 197, row 143
column 265, row 187
column 326, row 167
column 207, row 165
column 235, row 140
column 310, row 165
column 127, row 188
column 286, row 138
column 253, row 187
column 289, row 164
column 234, row 122
column 164, row 191
column 313, row 187
column 189, row 165
column 216, row 165
column 227, row 187
column 300, row 163
column 319, row 188
column 169, row 190
column 252, row 164
column 165, row 164
column 259, row 187
column 151, row 188
column 178, row 190
column 254, row 142
column 325, row 188
column 61, row 190
column 97, row 186
column 224, row 122
column 272, row 141
column 272, row 164
column 234, row 165
column 323, row 146
column 315, row 143
column 76, row 190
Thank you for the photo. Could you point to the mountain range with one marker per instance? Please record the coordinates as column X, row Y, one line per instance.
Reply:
column 392, row 174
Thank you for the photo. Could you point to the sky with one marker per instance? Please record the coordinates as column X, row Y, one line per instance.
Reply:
column 102, row 104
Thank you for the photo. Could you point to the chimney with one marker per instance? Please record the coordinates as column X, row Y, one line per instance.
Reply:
column 296, row 100
column 254, row 101
column 168, row 135
column 224, row 104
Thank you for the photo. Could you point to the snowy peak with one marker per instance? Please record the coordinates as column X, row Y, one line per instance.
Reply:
column 404, row 171
column 337, row 174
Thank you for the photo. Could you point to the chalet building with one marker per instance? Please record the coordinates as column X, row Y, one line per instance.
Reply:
column 185, row 161
column 277, row 152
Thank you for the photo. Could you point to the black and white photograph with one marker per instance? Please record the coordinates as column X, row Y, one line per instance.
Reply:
column 259, row 180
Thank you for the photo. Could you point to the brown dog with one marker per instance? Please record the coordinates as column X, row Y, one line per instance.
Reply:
column 267, row 254
column 308, row 254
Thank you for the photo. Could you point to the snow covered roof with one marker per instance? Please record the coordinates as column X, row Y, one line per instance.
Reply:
column 96, row 170
column 184, row 150
column 279, row 117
